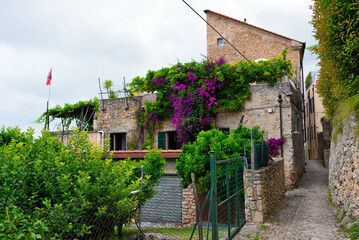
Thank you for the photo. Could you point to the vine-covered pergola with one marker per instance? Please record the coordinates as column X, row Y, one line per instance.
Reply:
column 81, row 113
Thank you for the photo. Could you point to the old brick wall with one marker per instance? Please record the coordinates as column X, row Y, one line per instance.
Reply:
column 264, row 188
column 344, row 168
column 253, row 42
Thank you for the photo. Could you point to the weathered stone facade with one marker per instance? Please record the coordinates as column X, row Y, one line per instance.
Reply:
column 254, row 42
column 264, row 188
column 263, row 110
column 344, row 168
column 120, row 115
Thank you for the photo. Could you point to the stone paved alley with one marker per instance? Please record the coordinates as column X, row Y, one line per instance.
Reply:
column 304, row 213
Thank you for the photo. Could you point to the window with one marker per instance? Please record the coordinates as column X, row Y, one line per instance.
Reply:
column 307, row 109
column 117, row 141
column 220, row 42
column 168, row 140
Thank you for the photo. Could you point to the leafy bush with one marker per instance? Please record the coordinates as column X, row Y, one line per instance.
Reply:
column 49, row 190
column 195, row 156
column 15, row 134
column 336, row 26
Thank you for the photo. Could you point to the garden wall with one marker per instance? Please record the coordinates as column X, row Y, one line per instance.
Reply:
column 263, row 110
column 344, row 168
column 264, row 188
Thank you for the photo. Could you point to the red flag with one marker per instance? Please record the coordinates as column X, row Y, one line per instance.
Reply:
column 49, row 77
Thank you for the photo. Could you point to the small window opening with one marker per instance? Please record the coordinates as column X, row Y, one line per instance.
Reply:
column 118, row 141
column 172, row 140
column 220, row 42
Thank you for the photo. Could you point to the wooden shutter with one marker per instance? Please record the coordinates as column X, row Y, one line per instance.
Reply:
column 162, row 140
column 111, row 142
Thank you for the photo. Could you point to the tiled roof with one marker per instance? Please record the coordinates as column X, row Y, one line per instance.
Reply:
column 206, row 11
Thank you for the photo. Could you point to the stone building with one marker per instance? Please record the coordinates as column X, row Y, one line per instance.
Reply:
column 277, row 109
column 253, row 42
column 314, row 113
column 256, row 43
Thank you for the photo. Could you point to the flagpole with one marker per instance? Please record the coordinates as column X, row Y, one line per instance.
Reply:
column 48, row 82
column 47, row 125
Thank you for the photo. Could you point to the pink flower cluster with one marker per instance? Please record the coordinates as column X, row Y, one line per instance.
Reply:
column 273, row 145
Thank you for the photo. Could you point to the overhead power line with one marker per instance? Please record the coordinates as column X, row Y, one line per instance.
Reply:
column 239, row 51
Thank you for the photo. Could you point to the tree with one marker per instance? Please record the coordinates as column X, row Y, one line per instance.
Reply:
column 336, row 25
column 108, row 84
column 56, row 191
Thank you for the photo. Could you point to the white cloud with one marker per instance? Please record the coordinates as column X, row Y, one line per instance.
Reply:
column 84, row 40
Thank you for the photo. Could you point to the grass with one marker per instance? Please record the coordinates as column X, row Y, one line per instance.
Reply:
column 344, row 110
column 181, row 233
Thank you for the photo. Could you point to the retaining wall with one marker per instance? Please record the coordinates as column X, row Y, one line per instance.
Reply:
column 344, row 168
column 264, row 188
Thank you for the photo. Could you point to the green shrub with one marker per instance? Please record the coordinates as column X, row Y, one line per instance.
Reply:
column 49, row 190
column 195, row 156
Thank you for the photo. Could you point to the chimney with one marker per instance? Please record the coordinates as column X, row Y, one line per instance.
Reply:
column 245, row 20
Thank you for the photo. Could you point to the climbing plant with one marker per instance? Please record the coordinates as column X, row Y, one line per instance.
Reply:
column 191, row 94
column 81, row 112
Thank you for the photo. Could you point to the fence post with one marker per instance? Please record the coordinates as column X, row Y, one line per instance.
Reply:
column 213, row 205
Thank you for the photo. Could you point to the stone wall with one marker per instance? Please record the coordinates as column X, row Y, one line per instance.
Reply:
column 120, row 115
column 94, row 136
column 264, row 188
column 263, row 110
column 344, row 168
column 188, row 207
column 254, row 42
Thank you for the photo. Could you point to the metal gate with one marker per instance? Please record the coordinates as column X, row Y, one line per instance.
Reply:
column 226, row 197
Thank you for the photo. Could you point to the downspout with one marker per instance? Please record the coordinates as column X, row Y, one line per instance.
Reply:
column 280, row 123
column 102, row 138
column 303, row 94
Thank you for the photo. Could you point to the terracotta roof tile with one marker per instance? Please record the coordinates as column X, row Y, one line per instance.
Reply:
column 206, row 11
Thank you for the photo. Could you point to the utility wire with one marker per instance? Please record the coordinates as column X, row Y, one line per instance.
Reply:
column 239, row 51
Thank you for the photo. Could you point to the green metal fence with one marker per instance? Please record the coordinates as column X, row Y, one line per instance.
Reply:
column 227, row 209
column 226, row 198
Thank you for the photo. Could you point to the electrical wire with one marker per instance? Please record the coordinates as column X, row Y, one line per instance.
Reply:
column 239, row 51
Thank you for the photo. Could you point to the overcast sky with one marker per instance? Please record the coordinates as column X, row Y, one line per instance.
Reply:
column 85, row 40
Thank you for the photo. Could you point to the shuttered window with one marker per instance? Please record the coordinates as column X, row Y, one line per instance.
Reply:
column 162, row 140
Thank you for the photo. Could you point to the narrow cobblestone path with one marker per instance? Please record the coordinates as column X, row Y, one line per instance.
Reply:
column 304, row 213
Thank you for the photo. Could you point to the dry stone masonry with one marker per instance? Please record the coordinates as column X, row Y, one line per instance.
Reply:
column 264, row 188
column 344, row 168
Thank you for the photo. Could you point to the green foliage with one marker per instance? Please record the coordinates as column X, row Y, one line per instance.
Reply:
column 195, row 157
column 344, row 110
column 52, row 190
column 308, row 80
column 108, row 84
column 73, row 112
column 336, row 25
column 14, row 134
column 192, row 93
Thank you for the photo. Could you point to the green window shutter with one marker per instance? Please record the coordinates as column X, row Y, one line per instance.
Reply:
column 162, row 140
column 177, row 147
column 111, row 141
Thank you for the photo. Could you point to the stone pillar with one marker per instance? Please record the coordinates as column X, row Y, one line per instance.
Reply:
column 264, row 188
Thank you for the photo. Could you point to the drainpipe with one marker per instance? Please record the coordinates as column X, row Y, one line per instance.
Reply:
column 102, row 138
column 280, row 123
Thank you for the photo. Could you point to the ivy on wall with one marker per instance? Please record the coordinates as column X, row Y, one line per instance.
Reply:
column 191, row 94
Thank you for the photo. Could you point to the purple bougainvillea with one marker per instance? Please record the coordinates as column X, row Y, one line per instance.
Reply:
column 273, row 145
